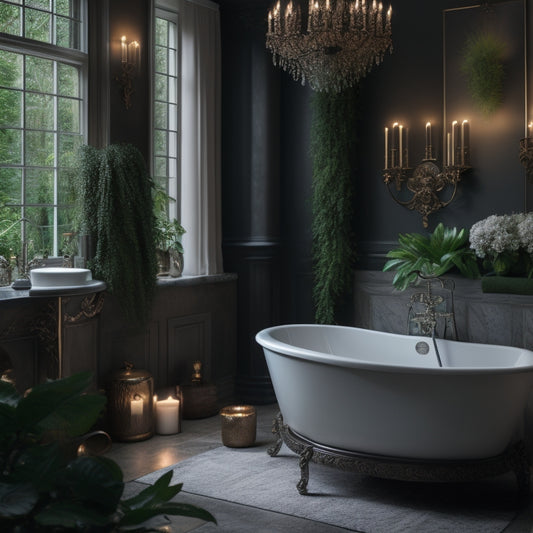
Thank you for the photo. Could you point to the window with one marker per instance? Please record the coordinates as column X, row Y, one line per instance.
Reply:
column 166, row 117
column 43, row 67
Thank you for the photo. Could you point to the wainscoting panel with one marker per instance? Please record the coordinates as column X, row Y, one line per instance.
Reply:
column 189, row 340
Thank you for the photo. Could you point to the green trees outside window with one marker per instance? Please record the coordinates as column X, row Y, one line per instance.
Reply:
column 41, row 123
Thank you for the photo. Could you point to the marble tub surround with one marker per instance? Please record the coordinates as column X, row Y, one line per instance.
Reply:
column 487, row 318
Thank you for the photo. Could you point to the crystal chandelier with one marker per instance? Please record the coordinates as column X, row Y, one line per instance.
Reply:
column 330, row 44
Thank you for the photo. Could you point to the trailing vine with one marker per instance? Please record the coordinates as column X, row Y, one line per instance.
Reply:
column 332, row 148
column 116, row 209
column 484, row 68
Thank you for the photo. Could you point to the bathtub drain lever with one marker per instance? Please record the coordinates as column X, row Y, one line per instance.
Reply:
column 436, row 348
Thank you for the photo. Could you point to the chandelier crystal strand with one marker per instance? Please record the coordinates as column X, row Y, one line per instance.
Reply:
column 330, row 44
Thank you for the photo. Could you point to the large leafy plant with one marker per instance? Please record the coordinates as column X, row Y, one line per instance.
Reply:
column 44, row 487
column 431, row 255
column 116, row 197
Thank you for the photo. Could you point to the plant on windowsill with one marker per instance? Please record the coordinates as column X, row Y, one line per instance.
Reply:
column 115, row 199
column 45, row 487
column 431, row 255
column 168, row 234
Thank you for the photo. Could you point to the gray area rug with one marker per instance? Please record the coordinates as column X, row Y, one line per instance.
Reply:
column 358, row 503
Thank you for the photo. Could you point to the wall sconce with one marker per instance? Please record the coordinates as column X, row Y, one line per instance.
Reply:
column 131, row 61
column 426, row 181
column 526, row 152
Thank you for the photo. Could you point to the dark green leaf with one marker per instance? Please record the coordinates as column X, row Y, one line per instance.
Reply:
column 44, row 399
column 17, row 499
column 97, row 481
column 161, row 491
column 71, row 515
column 138, row 516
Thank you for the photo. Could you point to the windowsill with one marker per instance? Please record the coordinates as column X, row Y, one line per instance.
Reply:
column 7, row 293
column 187, row 281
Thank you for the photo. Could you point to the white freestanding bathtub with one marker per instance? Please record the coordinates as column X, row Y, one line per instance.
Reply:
column 384, row 394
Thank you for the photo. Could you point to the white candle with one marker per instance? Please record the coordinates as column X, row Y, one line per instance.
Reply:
column 465, row 129
column 406, row 148
column 401, row 146
column 167, row 416
column 386, row 148
column 136, row 406
column 394, row 144
column 454, row 128
column 529, row 129
column 429, row 143
column 448, row 141
column 124, row 49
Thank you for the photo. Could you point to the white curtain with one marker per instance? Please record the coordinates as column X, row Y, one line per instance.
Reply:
column 200, row 144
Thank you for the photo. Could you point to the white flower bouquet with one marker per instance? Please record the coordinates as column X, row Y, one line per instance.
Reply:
column 505, row 243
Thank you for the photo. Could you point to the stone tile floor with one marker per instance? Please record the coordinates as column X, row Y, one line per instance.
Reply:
column 198, row 436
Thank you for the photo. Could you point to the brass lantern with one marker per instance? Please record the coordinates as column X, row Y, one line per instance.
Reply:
column 131, row 404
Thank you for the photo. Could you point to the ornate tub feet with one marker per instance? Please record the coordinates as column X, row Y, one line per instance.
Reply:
column 305, row 457
column 277, row 423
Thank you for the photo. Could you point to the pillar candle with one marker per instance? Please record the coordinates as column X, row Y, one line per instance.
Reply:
column 167, row 416
column 394, row 144
column 124, row 49
column 386, row 148
column 136, row 406
column 448, row 141
column 465, row 133
column 401, row 145
column 454, row 140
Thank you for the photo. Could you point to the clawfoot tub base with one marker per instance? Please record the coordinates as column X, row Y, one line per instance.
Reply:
column 513, row 459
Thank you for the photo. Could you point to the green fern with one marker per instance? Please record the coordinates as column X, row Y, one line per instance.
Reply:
column 483, row 65
column 432, row 255
column 116, row 206
column 332, row 147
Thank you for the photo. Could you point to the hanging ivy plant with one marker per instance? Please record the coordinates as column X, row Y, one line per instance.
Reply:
column 484, row 67
column 116, row 210
column 332, row 148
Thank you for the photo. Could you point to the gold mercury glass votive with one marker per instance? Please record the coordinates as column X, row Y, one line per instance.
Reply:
column 238, row 426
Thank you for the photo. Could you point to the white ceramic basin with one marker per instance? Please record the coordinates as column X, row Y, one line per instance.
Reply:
column 60, row 277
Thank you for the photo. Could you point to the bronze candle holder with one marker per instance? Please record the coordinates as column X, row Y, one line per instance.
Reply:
column 239, row 423
column 131, row 404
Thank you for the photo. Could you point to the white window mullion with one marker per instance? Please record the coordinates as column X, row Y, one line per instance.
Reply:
column 56, row 161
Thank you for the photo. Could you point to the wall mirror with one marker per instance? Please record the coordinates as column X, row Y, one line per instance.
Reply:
column 496, row 184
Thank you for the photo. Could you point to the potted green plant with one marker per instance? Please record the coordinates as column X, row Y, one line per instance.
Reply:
column 431, row 256
column 114, row 192
column 46, row 487
column 168, row 234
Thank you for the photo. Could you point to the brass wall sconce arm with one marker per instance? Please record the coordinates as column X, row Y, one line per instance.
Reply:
column 130, row 61
column 426, row 181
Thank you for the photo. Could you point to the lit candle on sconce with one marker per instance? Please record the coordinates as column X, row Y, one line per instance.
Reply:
column 530, row 129
column 465, row 130
column 429, row 149
column 386, row 147
column 394, row 144
column 454, row 139
column 406, row 148
column 401, row 145
column 124, row 49
column 167, row 416
column 448, row 144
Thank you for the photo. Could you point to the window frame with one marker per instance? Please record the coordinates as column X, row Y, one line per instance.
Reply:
column 167, row 10
column 77, row 58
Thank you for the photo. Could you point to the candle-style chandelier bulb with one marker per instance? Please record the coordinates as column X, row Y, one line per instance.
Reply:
column 329, row 44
